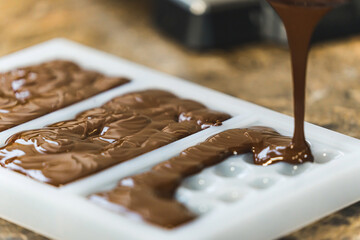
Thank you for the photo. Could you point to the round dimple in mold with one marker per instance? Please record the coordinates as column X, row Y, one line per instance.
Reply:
column 200, row 207
column 262, row 182
column 291, row 169
column 231, row 195
column 326, row 155
column 248, row 158
column 197, row 202
column 183, row 195
column 232, row 167
column 198, row 182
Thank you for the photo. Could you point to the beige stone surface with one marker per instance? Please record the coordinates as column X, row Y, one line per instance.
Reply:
column 258, row 73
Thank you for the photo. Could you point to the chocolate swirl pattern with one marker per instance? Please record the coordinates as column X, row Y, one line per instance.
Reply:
column 150, row 195
column 121, row 129
column 30, row 92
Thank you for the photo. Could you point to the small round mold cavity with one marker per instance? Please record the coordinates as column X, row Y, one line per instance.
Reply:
column 230, row 168
column 197, row 182
column 262, row 182
column 183, row 195
column 231, row 195
column 248, row 158
column 288, row 169
column 326, row 155
column 200, row 207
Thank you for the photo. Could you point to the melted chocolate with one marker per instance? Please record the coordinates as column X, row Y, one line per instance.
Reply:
column 30, row 92
column 151, row 194
column 121, row 129
column 300, row 18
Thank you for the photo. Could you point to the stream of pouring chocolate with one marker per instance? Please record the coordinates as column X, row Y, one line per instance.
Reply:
column 300, row 18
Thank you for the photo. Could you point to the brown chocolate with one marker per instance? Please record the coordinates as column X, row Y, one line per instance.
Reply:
column 151, row 194
column 121, row 129
column 30, row 92
column 300, row 18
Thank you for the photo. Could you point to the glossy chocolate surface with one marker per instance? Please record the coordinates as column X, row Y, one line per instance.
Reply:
column 121, row 129
column 151, row 194
column 30, row 92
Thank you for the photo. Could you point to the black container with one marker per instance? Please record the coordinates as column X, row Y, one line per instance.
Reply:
column 204, row 24
column 209, row 25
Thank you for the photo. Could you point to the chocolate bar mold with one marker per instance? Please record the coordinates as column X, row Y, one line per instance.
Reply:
column 233, row 198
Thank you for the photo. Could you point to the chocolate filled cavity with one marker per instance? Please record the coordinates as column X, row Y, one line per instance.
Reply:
column 123, row 128
column 30, row 92
column 151, row 194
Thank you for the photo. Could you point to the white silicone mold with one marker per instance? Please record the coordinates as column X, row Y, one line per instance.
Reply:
column 234, row 199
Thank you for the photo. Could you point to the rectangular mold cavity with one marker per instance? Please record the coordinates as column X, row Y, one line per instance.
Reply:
column 260, row 212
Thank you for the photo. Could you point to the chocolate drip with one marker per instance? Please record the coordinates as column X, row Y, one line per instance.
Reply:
column 30, row 92
column 121, row 129
column 151, row 194
column 300, row 18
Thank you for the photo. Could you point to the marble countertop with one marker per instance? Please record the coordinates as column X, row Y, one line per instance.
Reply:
column 259, row 73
